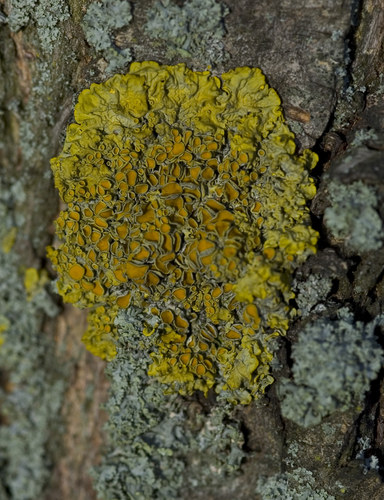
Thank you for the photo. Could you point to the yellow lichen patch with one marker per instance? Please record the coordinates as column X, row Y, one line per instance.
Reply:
column 76, row 272
column 124, row 301
column 4, row 325
column 99, row 336
column 185, row 199
column 34, row 281
column 9, row 240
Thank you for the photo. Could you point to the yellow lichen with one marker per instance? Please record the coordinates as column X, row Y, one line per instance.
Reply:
column 186, row 199
column 4, row 325
column 34, row 281
column 9, row 240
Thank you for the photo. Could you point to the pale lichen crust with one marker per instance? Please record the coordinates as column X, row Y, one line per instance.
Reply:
column 185, row 199
column 348, row 357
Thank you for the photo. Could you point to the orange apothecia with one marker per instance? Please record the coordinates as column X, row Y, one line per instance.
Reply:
column 185, row 199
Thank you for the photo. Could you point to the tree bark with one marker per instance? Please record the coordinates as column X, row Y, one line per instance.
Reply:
column 325, row 58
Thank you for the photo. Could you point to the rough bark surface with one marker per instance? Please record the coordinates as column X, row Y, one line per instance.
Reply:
column 325, row 58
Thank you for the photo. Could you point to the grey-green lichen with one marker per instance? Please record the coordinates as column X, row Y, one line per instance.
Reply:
column 194, row 30
column 312, row 293
column 296, row 485
column 45, row 14
column 156, row 445
column 353, row 218
column 34, row 130
column 363, row 136
column 99, row 24
column 32, row 384
column 334, row 362
column 369, row 461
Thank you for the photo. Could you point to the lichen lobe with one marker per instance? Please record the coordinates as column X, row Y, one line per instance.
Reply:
column 185, row 199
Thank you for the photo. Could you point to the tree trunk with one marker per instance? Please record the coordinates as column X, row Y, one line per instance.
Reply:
column 325, row 58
